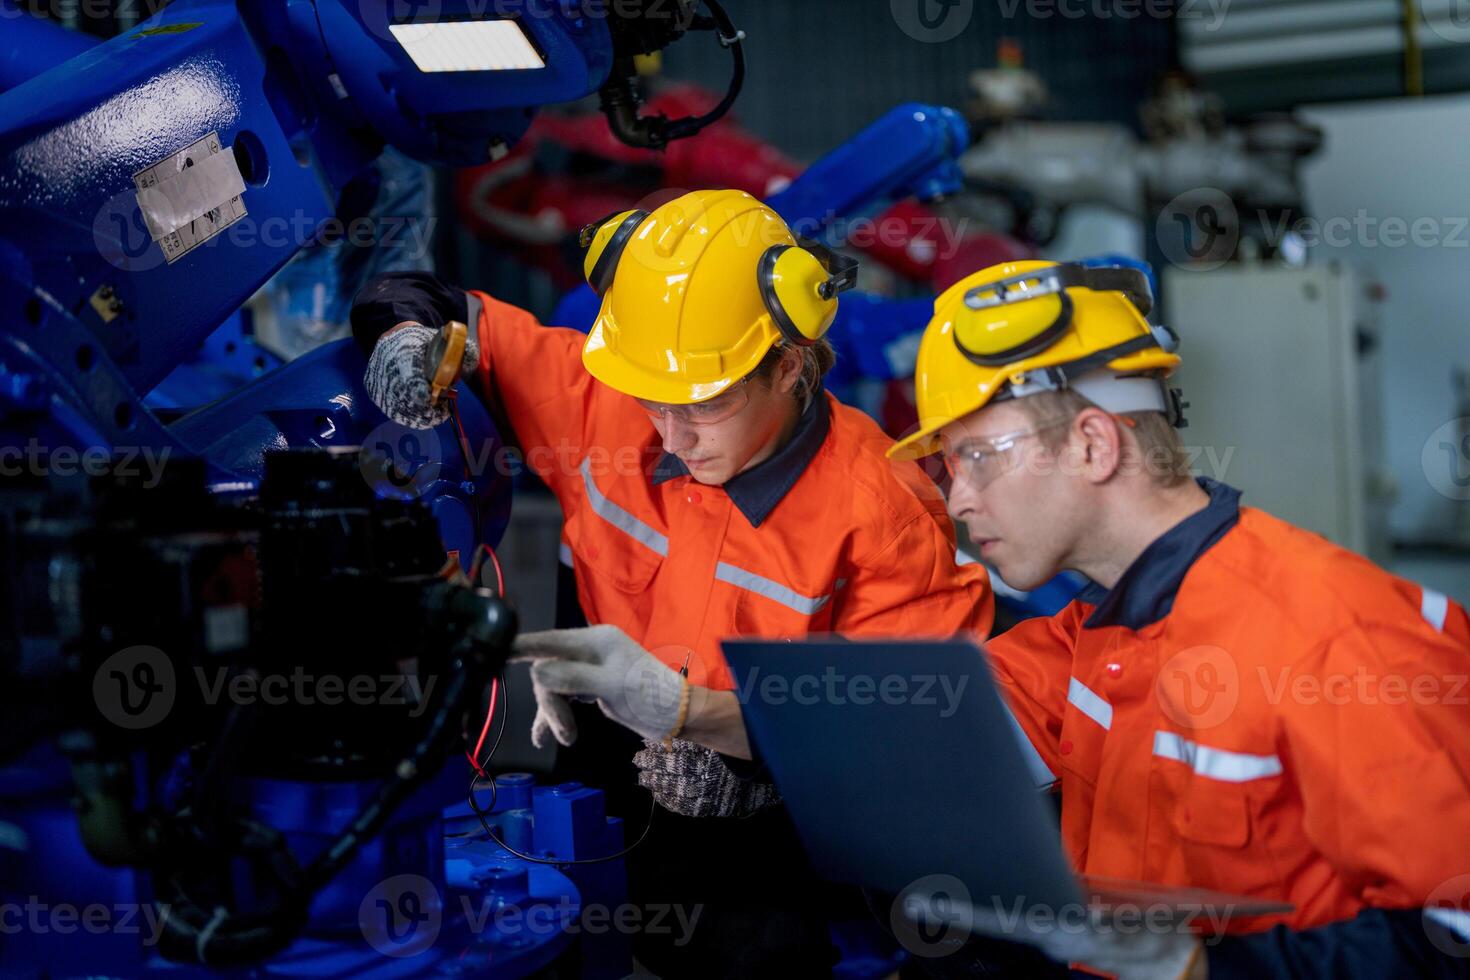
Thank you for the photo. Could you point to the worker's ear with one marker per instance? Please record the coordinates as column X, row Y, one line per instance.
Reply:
column 788, row 371
column 1097, row 442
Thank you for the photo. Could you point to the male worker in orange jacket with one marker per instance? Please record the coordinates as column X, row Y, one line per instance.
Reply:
column 1234, row 704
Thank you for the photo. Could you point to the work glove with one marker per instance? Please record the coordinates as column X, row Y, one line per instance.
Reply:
column 602, row 663
column 693, row 780
column 1132, row 951
column 397, row 377
column 1127, row 947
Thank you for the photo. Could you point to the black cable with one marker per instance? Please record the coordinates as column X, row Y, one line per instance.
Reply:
column 469, row 470
column 475, row 778
column 621, row 101
column 732, row 38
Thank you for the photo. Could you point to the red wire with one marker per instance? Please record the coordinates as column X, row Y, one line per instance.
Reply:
column 474, row 756
column 499, row 577
column 479, row 564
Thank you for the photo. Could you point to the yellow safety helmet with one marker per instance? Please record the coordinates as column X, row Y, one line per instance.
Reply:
column 1025, row 327
column 697, row 291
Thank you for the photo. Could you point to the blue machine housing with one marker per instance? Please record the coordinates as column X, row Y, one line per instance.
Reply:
column 428, row 897
column 302, row 95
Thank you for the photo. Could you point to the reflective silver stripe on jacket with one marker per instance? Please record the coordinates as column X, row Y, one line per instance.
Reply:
column 774, row 591
column 620, row 518
column 1226, row 766
column 1434, row 606
column 1090, row 703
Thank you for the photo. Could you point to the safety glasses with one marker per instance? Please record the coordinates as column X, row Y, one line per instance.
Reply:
column 718, row 409
column 980, row 462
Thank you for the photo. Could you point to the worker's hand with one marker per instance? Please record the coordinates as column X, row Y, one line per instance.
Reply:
column 693, row 780
column 632, row 686
column 398, row 383
column 1128, row 948
column 1130, row 953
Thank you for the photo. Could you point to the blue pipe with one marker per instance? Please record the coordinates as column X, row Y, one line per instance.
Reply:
column 30, row 45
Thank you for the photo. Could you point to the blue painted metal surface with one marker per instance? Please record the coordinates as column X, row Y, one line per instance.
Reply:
column 480, row 911
column 228, row 360
column 318, row 400
column 71, row 141
column 459, row 121
column 913, row 150
column 30, row 45
column 567, row 821
column 303, row 95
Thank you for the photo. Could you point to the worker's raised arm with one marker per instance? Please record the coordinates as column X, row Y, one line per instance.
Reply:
column 533, row 374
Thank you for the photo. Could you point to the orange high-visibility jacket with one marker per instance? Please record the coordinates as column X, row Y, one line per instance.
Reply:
column 1256, row 710
column 857, row 545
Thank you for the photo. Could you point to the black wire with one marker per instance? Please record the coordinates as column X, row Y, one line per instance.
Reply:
column 475, row 777
column 469, row 470
column 729, row 36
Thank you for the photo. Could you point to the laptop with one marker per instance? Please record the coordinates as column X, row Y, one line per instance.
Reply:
column 905, row 772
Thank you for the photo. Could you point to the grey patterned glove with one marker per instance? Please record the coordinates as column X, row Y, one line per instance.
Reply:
column 693, row 780
column 398, row 382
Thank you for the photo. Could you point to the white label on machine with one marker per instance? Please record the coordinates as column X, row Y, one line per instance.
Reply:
column 191, row 196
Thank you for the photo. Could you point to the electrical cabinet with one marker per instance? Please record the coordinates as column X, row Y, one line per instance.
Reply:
column 1281, row 371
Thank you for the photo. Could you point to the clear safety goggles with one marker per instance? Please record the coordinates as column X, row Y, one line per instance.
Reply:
column 980, row 462
column 721, row 408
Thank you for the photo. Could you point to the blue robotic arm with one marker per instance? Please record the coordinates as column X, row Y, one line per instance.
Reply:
column 150, row 184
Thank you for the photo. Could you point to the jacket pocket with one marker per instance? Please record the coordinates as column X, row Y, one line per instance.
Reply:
column 1217, row 815
column 607, row 555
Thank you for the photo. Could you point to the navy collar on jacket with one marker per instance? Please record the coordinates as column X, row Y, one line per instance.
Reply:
column 758, row 490
column 1145, row 592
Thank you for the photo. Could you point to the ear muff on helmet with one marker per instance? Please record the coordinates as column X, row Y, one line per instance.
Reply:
column 800, row 284
column 1037, row 310
column 605, row 241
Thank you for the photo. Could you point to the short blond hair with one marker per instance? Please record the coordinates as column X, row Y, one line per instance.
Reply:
column 1156, row 442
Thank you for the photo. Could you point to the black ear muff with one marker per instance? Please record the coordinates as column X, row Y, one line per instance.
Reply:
column 605, row 265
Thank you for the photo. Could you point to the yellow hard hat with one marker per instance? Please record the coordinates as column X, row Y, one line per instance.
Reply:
column 1024, row 327
column 696, row 292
